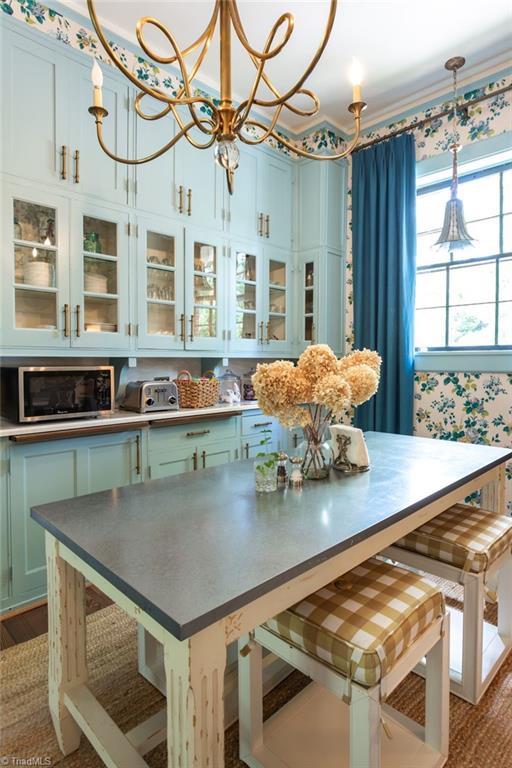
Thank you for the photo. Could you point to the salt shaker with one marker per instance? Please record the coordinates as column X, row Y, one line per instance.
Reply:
column 296, row 476
column 282, row 472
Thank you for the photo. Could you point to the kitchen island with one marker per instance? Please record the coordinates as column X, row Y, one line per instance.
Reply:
column 200, row 564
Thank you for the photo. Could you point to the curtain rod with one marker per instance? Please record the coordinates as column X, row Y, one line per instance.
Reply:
column 426, row 120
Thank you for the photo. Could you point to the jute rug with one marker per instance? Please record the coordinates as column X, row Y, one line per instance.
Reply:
column 480, row 737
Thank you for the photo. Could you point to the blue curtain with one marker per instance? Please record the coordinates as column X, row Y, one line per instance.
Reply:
column 384, row 263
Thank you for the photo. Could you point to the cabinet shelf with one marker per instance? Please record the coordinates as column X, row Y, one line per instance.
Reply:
column 39, row 288
column 165, row 302
column 99, row 256
column 33, row 244
column 94, row 295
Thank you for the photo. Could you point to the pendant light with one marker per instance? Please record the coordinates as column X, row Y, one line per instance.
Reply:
column 454, row 234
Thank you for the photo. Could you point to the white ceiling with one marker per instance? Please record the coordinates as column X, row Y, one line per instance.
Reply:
column 402, row 45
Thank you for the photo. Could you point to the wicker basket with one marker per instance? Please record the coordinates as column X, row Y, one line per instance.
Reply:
column 196, row 393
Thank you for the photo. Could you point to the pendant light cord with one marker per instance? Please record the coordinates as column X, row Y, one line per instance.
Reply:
column 455, row 145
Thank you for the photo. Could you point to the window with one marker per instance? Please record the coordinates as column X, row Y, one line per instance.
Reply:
column 464, row 298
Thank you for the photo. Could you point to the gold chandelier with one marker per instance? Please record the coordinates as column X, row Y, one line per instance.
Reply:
column 222, row 124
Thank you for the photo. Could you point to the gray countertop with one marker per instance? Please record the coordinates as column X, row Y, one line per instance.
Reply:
column 193, row 548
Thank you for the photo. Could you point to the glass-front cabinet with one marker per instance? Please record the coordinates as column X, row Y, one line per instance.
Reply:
column 99, row 286
column 161, row 295
column 204, row 291
column 307, row 321
column 276, row 299
column 246, row 322
column 35, row 297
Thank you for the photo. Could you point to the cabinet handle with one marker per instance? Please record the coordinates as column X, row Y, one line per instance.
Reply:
column 203, row 456
column 267, row 225
column 262, row 424
column 63, row 162
column 260, row 225
column 295, row 440
column 77, row 167
column 189, row 202
column 198, row 432
column 313, row 334
column 78, row 320
column 181, row 201
column 191, row 335
column 268, row 333
column 66, row 321
column 138, row 464
column 261, row 340
column 194, row 460
column 182, row 327
column 247, row 450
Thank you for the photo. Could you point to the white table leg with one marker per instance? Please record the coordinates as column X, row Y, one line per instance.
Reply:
column 493, row 494
column 365, row 728
column 194, row 671
column 66, row 642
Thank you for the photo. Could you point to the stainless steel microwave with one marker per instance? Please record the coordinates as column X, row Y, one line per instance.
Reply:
column 60, row 392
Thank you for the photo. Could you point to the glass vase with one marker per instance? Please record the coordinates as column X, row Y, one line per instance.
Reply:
column 316, row 448
column 265, row 474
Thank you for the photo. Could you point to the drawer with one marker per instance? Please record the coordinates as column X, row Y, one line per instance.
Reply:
column 195, row 434
column 253, row 424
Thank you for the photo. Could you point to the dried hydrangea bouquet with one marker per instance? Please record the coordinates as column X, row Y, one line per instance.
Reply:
column 312, row 393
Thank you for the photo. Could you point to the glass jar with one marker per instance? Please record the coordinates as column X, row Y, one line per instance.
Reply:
column 247, row 386
column 229, row 388
column 265, row 474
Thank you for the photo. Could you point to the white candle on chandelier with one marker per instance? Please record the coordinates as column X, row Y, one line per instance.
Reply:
column 356, row 77
column 97, row 81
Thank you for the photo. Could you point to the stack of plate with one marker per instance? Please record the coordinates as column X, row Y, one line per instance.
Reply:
column 38, row 273
column 95, row 283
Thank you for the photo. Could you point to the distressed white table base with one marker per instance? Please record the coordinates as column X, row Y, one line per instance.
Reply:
column 194, row 668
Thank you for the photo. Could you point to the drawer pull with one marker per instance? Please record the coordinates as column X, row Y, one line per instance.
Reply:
column 189, row 202
column 262, row 424
column 295, row 440
column 260, row 225
column 66, row 321
column 194, row 460
column 191, row 336
column 78, row 320
column 182, row 327
column 203, row 456
column 181, row 202
column 77, row 167
column 267, row 226
column 247, row 450
column 198, row 432
column 64, row 162
column 138, row 465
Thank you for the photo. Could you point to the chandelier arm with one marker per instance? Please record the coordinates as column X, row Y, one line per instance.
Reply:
column 172, row 108
column 240, row 32
column 283, row 98
column 205, row 36
column 153, row 155
column 210, row 128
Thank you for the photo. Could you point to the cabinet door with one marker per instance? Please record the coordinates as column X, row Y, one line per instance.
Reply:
column 169, row 463
column 202, row 183
column 277, row 300
column 40, row 473
column 307, row 305
column 92, row 171
column 275, row 197
column 35, row 287
column 155, row 184
column 204, row 290
column 99, row 278
column 35, row 109
column 245, row 272
column 160, row 284
column 243, row 203
column 5, row 539
column 110, row 461
column 217, row 454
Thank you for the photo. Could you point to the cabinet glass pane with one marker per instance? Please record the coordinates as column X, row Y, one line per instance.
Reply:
column 160, row 284
column 205, row 290
column 35, row 309
column 245, row 296
column 308, row 302
column 34, row 223
column 245, row 266
column 161, row 319
column 100, row 276
column 34, row 266
column 308, row 329
column 160, row 249
column 205, row 322
column 276, row 328
column 100, row 236
column 277, row 272
column 100, row 315
column 277, row 300
column 205, row 258
column 245, row 325
column 309, row 275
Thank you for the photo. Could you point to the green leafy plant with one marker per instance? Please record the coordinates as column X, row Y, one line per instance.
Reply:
column 271, row 458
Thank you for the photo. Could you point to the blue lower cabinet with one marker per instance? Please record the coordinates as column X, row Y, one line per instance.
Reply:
column 5, row 549
column 51, row 471
column 167, row 463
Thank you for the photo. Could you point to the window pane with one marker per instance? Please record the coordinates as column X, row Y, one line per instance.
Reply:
column 431, row 288
column 506, row 280
column 430, row 328
column 486, row 235
column 472, row 284
column 471, row 325
column 426, row 253
column 507, row 191
column 430, row 209
column 507, row 233
column 505, row 323
column 481, row 197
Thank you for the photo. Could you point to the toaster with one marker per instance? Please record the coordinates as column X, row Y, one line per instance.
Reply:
column 150, row 396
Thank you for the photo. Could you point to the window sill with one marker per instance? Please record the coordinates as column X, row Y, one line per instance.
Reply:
column 479, row 361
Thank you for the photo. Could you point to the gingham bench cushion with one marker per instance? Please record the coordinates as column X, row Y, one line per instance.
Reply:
column 363, row 622
column 463, row 536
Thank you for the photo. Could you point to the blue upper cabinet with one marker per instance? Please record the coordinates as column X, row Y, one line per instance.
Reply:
column 321, row 204
column 243, row 203
column 275, row 200
column 205, row 290
column 155, row 190
column 90, row 170
column 35, row 110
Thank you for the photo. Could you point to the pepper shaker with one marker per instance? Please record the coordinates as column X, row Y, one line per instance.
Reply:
column 296, row 476
column 282, row 472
